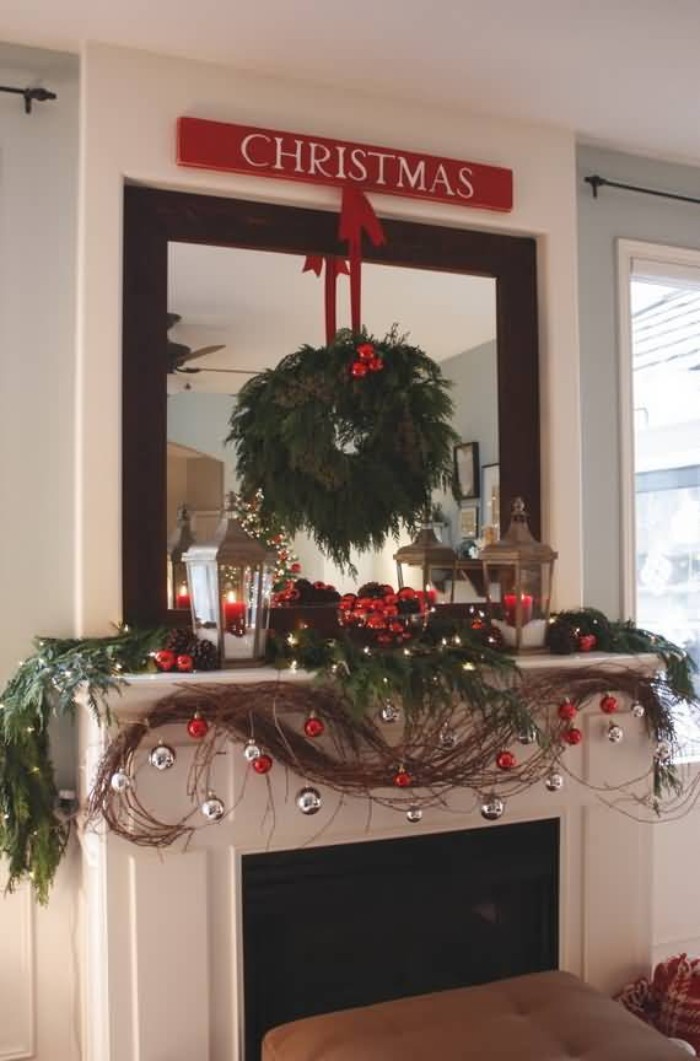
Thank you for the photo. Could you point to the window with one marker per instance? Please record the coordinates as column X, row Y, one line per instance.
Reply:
column 661, row 447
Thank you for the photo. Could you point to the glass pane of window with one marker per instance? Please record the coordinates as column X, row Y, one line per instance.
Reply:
column 666, row 391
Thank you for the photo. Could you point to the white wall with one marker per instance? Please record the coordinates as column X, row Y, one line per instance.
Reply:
column 131, row 102
column 38, row 198
column 615, row 215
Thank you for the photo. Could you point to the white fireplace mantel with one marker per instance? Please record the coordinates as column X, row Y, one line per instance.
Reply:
column 162, row 930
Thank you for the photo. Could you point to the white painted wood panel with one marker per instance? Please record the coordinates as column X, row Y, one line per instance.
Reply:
column 17, row 976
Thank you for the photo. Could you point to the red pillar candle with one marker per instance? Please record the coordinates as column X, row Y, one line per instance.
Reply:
column 182, row 600
column 234, row 614
column 509, row 608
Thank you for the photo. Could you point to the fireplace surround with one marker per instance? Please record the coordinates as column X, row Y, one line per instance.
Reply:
column 165, row 932
column 332, row 927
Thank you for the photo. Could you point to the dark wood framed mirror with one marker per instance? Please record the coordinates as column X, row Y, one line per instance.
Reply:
column 154, row 218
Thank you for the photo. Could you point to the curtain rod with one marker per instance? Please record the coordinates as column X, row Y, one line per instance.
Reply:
column 597, row 182
column 31, row 95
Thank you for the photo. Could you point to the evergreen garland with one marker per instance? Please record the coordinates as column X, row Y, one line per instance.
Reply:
column 444, row 661
column 319, row 440
column 33, row 831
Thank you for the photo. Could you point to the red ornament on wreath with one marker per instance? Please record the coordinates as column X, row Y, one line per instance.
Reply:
column 185, row 663
column 567, row 711
column 573, row 735
column 586, row 642
column 505, row 760
column 358, row 369
column 314, row 726
column 366, row 352
column 376, row 364
column 197, row 727
column 608, row 704
column 263, row 764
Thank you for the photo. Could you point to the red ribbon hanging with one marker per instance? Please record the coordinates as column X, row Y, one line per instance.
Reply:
column 356, row 216
column 317, row 263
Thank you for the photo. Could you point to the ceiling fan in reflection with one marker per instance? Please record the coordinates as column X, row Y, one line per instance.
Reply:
column 179, row 355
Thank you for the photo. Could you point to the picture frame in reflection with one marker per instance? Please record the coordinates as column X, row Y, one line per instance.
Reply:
column 466, row 457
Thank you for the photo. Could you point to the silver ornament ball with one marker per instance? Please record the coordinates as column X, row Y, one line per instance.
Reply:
column 212, row 808
column 663, row 753
column 414, row 815
column 447, row 738
column 527, row 736
column 120, row 781
column 309, row 800
column 251, row 751
column 389, row 712
column 492, row 808
column 162, row 757
column 637, row 710
column 615, row 733
column 554, row 782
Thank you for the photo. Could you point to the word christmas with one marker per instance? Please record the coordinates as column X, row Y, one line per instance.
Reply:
column 318, row 160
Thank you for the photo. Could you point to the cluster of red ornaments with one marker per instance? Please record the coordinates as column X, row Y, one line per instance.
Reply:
column 366, row 360
column 300, row 591
column 388, row 614
column 167, row 661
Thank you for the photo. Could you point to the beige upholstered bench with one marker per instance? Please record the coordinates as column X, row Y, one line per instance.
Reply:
column 543, row 1017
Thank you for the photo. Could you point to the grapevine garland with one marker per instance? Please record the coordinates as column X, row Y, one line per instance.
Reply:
column 361, row 426
column 462, row 703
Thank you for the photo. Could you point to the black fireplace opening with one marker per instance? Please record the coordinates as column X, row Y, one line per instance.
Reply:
column 328, row 928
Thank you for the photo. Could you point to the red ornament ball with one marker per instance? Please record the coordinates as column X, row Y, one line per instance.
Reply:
column 402, row 778
column 506, row 761
column 366, row 352
column 165, row 660
column 358, row 369
column 263, row 764
column 567, row 711
column 608, row 704
column 295, row 568
column 586, row 642
column 572, row 735
column 197, row 727
column 185, row 663
column 314, row 727
column 376, row 364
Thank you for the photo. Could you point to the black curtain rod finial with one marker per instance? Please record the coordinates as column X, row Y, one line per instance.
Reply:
column 597, row 182
column 30, row 95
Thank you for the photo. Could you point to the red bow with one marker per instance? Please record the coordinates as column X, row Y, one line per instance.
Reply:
column 333, row 268
column 356, row 217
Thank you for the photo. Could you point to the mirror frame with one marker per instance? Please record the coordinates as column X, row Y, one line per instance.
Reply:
column 153, row 218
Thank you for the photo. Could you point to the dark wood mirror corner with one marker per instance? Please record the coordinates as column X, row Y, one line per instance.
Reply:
column 154, row 218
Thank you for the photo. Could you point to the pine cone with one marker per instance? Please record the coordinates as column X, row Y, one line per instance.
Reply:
column 205, row 655
column 181, row 641
column 561, row 639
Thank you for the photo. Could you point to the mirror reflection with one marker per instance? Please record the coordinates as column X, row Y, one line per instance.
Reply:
column 234, row 312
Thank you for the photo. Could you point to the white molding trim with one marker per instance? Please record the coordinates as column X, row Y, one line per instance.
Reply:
column 23, row 919
column 676, row 259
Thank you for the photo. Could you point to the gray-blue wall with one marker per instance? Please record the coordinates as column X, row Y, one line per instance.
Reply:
column 615, row 215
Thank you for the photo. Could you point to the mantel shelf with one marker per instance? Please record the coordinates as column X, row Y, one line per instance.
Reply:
column 142, row 690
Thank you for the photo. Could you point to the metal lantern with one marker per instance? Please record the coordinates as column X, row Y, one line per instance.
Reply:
column 518, row 573
column 428, row 553
column 230, row 582
column 178, row 544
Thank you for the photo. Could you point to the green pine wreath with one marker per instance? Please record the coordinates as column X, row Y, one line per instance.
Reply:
column 344, row 454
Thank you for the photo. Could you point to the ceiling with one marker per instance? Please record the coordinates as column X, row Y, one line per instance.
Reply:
column 619, row 72
column 261, row 306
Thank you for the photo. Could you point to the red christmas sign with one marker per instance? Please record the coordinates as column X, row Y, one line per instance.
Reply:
column 341, row 163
